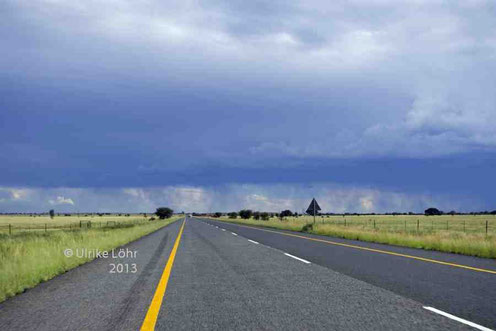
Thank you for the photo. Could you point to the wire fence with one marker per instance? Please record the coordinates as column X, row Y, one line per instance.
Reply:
column 416, row 225
column 13, row 228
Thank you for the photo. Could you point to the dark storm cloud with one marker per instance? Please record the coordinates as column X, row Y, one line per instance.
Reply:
column 126, row 93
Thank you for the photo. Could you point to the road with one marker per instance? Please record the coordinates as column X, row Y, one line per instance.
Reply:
column 220, row 276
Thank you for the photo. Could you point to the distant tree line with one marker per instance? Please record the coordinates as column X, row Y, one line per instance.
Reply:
column 248, row 213
column 258, row 215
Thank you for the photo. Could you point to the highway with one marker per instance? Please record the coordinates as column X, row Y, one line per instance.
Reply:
column 211, row 275
column 466, row 293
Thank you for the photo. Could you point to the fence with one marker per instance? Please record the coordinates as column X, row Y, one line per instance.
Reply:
column 417, row 225
column 13, row 228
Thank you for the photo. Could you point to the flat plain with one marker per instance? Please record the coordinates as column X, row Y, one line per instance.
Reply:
column 462, row 234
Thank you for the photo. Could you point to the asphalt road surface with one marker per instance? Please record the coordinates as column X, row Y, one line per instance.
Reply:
column 220, row 276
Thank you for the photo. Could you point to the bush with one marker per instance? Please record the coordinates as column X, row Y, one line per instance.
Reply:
column 245, row 213
column 307, row 227
column 164, row 212
column 286, row 213
column 152, row 219
column 264, row 216
column 256, row 215
column 51, row 213
column 432, row 211
column 233, row 215
column 217, row 214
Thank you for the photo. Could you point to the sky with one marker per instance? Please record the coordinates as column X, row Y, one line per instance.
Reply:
column 128, row 105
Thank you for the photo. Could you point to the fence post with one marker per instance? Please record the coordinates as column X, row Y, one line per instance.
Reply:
column 418, row 224
column 487, row 223
column 80, row 224
column 374, row 223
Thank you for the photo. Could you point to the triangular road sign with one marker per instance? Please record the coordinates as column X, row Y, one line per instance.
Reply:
column 313, row 208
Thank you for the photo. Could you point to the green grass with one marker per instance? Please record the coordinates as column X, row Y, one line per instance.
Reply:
column 465, row 235
column 28, row 258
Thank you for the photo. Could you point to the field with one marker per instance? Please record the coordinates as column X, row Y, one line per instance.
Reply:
column 12, row 224
column 461, row 234
column 407, row 223
column 30, row 257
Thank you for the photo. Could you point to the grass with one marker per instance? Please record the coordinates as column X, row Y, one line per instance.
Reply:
column 40, row 222
column 464, row 235
column 29, row 258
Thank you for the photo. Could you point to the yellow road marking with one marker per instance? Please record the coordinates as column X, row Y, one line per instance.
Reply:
column 375, row 250
column 152, row 314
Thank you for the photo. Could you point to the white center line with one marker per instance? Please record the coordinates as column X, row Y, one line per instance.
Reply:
column 297, row 258
column 234, row 233
column 223, row 229
column 253, row 241
column 458, row 319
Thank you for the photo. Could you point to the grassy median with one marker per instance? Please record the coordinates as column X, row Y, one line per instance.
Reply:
column 27, row 259
column 401, row 233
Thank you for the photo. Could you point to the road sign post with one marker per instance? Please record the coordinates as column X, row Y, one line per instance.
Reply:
column 313, row 209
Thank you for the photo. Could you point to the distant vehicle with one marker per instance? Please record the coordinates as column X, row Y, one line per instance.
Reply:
column 189, row 215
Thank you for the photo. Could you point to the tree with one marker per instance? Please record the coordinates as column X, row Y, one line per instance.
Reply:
column 164, row 212
column 432, row 211
column 264, row 216
column 217, row 214
column 493, row 212
column 286, row 213
column 256, row 215
column 233, row 215
column 51, row 213
column 245, row 213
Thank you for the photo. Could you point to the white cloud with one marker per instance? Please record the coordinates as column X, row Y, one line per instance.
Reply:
column 60, row 200
column 15, row 194
column 19, row 194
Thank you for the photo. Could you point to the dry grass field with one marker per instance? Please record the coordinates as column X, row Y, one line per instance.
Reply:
column 406, row 223
column 16, row 223
column 461, row 234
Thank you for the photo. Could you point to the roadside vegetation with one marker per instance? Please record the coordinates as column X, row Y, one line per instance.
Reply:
column 13, row 224
column 31, row 257
column 462, row 234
